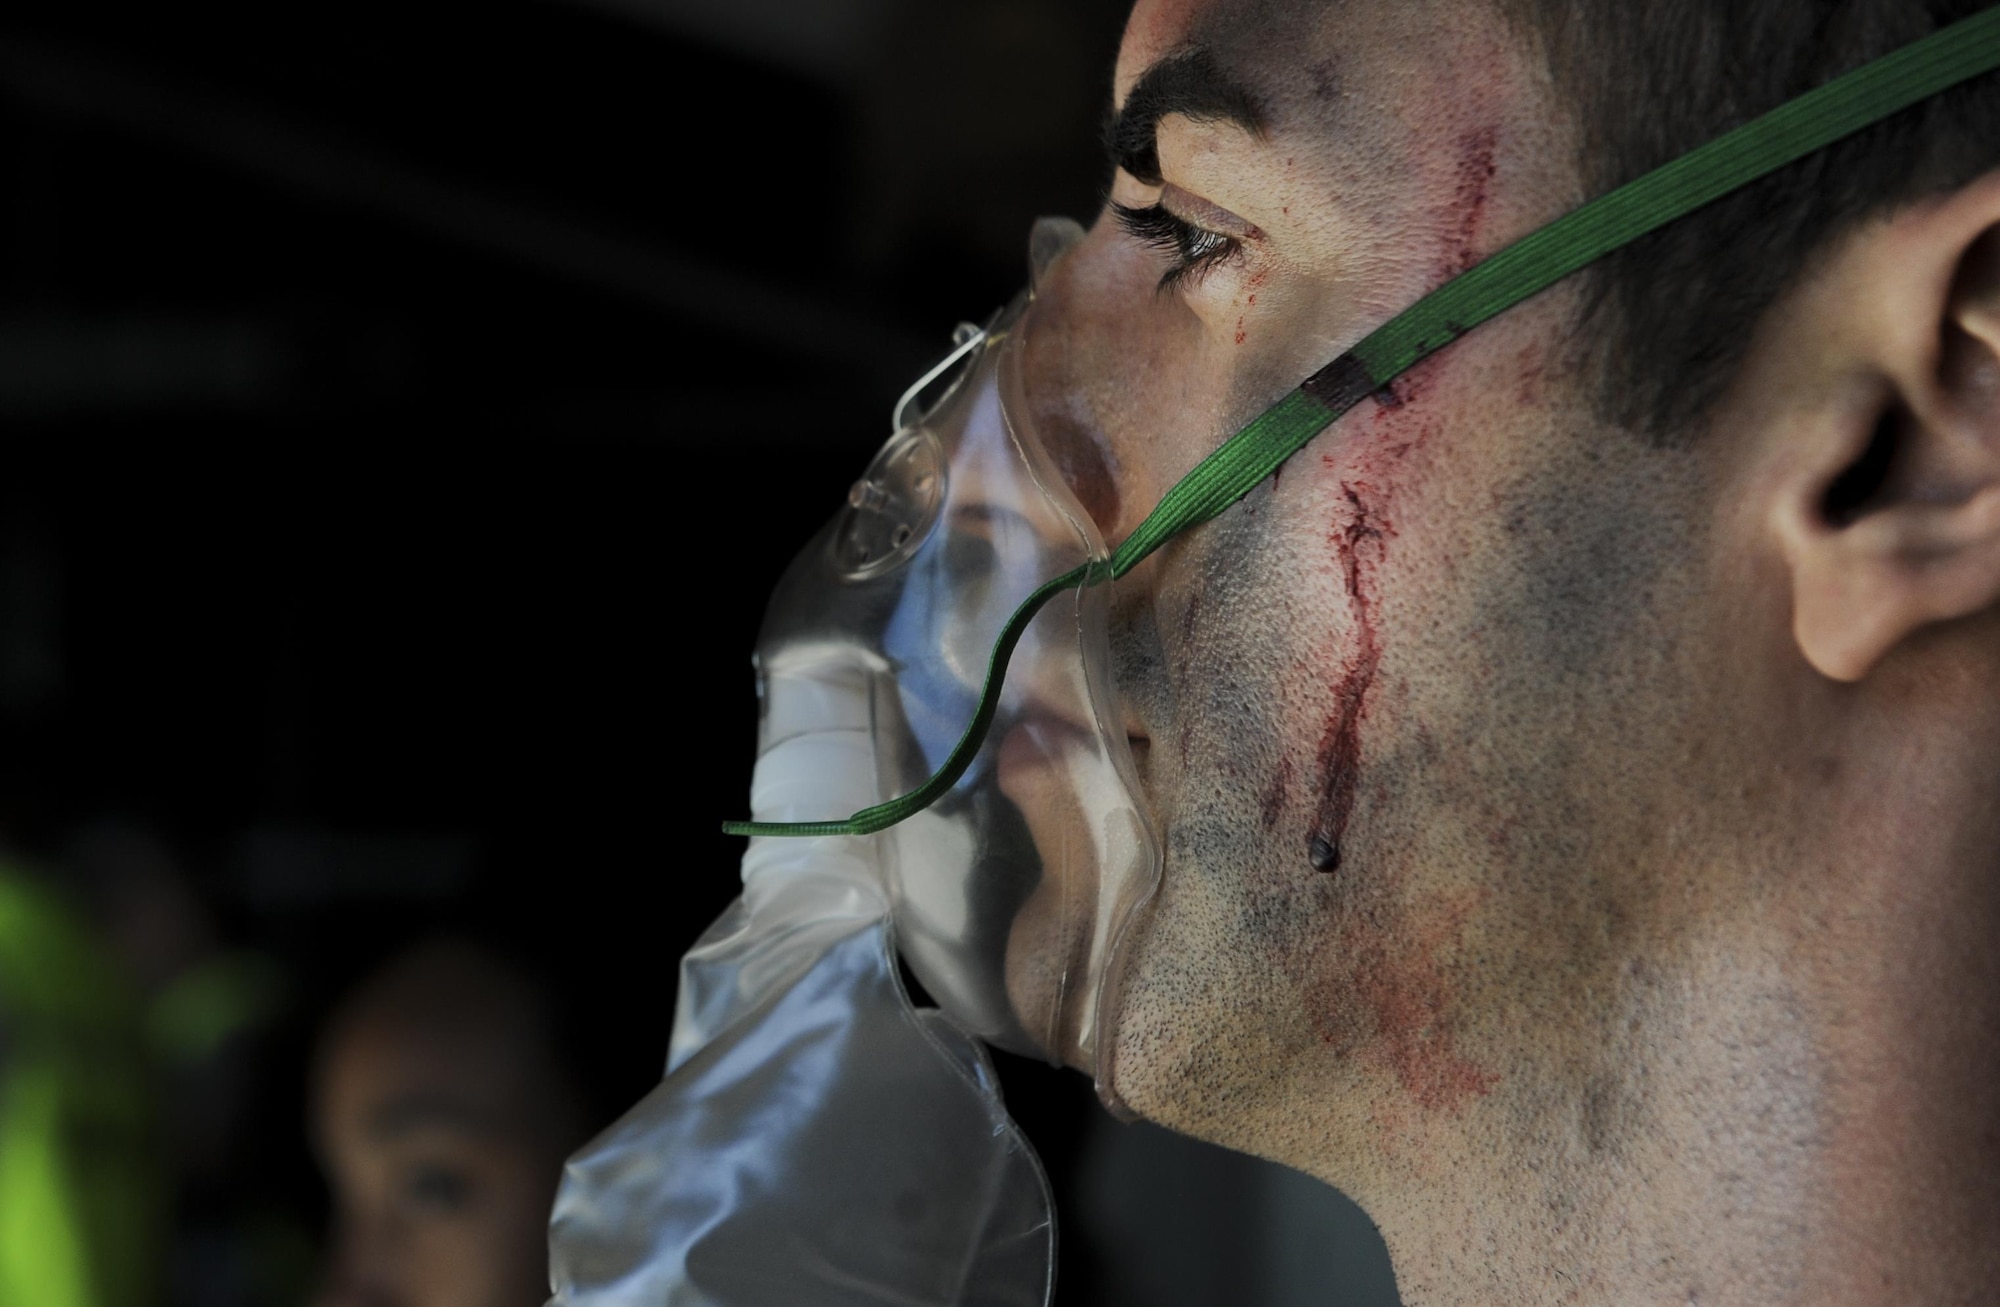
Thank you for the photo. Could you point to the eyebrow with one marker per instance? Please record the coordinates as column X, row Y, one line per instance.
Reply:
column 1190, row 83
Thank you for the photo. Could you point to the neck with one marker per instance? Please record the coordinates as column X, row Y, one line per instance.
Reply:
column 1904, row 969
column 1798, row 1103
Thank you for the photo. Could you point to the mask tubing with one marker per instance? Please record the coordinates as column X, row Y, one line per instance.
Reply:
column 884, row 815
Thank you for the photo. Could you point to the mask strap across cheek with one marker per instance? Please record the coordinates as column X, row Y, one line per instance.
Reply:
column 1522, row 270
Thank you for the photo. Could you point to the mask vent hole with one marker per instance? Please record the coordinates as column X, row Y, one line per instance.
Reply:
column 892, row 507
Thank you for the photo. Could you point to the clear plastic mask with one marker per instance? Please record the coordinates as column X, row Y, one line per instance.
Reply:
column 1012, row 893
column 807, row 1100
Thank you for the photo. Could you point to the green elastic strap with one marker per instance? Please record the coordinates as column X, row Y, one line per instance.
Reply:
column 1524, row 269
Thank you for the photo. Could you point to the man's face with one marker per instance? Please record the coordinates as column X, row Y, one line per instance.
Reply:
column 1390, row 706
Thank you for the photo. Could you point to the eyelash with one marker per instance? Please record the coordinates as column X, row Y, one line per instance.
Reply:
column 1194, row 250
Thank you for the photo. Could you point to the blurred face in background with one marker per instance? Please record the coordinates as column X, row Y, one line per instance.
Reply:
column 442, row 1116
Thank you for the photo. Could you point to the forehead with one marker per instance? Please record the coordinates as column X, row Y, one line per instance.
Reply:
column 480, row 1070
column 1375, row 68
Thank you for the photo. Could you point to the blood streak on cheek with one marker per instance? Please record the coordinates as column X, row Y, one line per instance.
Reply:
column 1359, row 536
column 1530, row 364
column 1473, row 187
column 1272, row 801
column 1359, row 540
column 1388, row 1000
column 1382, row 990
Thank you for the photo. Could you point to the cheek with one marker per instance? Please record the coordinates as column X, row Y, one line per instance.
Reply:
column 1377, row 972
column 1281, row 635
column 492, row 1249
column 1385, row 991
column 1296, row 905
column 1353, row 500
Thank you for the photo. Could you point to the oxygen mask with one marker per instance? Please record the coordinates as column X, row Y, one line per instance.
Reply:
column 1012, row 890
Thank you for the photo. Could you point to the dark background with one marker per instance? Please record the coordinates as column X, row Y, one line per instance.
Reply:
column 407, row 408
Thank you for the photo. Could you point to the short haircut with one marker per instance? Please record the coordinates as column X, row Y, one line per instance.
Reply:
column 1669, row 316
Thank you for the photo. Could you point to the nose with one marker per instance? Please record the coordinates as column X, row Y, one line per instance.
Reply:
column 1069, row 367
column 1100, row 373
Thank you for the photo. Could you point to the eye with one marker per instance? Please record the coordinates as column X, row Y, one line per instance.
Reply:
column 441, row 1190
column 1193, row 250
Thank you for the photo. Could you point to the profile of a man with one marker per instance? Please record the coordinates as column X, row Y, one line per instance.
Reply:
column 1577, row 767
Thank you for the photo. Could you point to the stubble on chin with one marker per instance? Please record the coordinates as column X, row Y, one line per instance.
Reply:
column 1209, row 1008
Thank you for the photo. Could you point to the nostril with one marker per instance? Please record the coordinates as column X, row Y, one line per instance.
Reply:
column 1090, row 471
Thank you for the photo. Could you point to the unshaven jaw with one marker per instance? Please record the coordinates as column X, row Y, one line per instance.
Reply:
column 1288, row 736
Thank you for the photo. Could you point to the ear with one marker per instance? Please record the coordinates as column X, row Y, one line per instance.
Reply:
column 1891, row 513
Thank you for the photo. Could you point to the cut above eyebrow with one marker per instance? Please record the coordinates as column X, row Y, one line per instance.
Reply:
column 1190, row 83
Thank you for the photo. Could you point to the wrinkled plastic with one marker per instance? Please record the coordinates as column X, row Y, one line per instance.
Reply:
column 818, row 1139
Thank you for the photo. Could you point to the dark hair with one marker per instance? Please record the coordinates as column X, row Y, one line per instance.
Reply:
column 1668, row 317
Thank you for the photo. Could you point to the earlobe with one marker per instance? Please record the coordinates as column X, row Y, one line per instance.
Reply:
column 1891, row 522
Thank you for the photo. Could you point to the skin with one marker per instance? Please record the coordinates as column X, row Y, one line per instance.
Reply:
column 443, row 1121
column 1655, row 966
